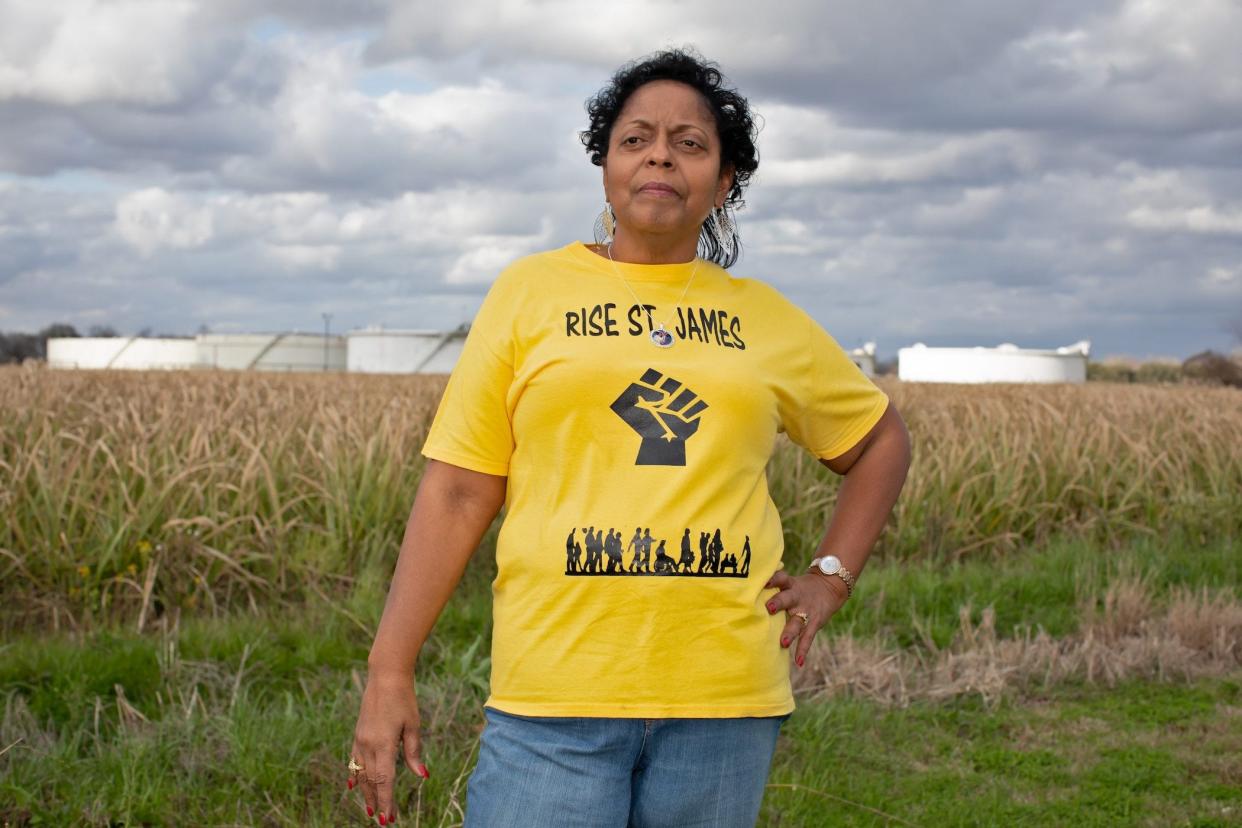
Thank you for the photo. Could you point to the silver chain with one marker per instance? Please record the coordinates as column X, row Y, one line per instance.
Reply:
column 638, row 301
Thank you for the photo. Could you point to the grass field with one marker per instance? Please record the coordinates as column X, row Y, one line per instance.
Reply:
column 191, row 567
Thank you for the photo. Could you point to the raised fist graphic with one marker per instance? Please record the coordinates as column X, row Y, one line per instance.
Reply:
column 664, row 418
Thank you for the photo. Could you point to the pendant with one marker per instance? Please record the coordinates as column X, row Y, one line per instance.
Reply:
column 662, row 338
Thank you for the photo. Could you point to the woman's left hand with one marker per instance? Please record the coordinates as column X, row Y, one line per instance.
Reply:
column 814, row 595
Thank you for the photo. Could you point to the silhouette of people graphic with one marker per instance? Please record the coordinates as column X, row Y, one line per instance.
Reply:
column 636, row 543
column 572, row 553
column 663, row 563
column 716, row 547
column 601, row 544
column 594, row 550
column 687, row 556
column 612, row 547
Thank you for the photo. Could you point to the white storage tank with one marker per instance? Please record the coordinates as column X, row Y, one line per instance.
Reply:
column 381, row 351
column 132, row 352
column 1004, row 363
column 271, row 352
column 864, row 358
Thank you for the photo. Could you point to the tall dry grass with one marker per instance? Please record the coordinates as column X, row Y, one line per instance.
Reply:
column 1129, row 635
column 129, row 494
column 134, row 492
column 1000, row 467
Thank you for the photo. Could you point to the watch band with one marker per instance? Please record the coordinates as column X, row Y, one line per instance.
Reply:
column 844, row 573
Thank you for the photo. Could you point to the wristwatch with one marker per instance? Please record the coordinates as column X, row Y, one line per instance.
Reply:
column 831, row 565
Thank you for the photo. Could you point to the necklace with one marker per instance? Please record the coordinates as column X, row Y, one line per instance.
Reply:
column 661, row 337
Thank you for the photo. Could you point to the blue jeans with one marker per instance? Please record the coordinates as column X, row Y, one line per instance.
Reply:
column 613, row 773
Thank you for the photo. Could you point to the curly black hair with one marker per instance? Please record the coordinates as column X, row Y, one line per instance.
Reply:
column 734, row 124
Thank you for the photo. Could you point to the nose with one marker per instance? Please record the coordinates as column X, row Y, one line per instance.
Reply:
column 661, row 154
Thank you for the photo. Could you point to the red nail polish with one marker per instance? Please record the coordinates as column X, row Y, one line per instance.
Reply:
column 800, row 661
column 784, row 642
column 381, row 818
column 423, row 772
column 370, row 811
column 350, row 783
column 391, row 819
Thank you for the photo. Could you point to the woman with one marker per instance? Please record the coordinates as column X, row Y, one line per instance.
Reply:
column 620, row 384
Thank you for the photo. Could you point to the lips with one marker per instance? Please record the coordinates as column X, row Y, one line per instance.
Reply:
column 657, row 188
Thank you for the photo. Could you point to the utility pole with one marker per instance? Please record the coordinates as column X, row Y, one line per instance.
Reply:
column 327, row 317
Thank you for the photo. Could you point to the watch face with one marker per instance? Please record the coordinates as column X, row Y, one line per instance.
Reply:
column 830, row 565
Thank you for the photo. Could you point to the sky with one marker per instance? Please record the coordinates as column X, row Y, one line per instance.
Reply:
column 953, row 172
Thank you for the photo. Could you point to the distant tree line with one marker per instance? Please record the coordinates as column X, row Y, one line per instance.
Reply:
column 1207, row 367
column 19, row 347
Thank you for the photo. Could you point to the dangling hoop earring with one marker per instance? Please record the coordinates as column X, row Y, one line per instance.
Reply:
column 605, row 225
column 724, row 228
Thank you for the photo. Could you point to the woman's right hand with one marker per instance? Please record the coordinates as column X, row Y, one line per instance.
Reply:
column 387, row 723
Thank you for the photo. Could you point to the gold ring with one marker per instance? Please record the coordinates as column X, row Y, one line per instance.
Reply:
column 354, row 767
column 801, row 616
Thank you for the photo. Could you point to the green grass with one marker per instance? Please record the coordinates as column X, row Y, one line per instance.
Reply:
column 1043, row 587
column 1079, row 756
column 246, row 719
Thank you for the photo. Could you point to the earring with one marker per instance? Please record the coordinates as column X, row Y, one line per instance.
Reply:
column 605, row 225
column 722, row 225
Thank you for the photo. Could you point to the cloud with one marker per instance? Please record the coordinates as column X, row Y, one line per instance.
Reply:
column 153, row 218
column 1202, row 219
column 83, row 51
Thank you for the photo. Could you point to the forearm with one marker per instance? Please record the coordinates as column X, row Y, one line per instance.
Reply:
column 451, row 512
column 867, row 496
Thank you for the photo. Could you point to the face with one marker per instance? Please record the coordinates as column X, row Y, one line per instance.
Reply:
column 662, row 173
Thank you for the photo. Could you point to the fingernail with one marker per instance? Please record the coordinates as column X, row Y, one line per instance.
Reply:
column 423, row 772
column 381, row 818
column 370, row 811
column 391, row 819
column 350, row 783
column 784, row 642
column 771, row 608
column 800, row 659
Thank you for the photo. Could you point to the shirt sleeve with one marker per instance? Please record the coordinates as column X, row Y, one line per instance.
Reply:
column 473, row 426
column 832, row 404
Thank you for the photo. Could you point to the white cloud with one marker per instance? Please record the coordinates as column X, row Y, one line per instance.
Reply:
column 77, row 51
column 1202, row 219
column 983, row 155
column 153, row 218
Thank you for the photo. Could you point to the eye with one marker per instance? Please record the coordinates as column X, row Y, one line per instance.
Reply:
column 631, row 140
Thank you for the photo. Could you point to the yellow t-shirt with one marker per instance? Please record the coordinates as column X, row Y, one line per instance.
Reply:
column 639, row 531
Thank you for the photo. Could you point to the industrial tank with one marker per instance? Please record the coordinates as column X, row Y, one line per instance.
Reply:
column 1004, row 363
column 271, row 352
column 132, row 352
column 864, row 358
column 382, row 351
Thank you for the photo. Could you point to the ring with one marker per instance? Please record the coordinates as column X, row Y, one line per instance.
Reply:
column 801, row 616
column 354, row 767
